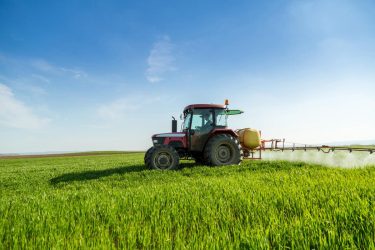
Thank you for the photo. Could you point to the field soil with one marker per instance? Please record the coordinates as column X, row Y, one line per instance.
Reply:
column 110, row 201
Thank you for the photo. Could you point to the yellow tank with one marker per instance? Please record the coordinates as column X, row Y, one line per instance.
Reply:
column 249, row 138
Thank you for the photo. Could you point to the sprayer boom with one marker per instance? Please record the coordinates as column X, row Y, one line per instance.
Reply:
column 274, row 145
column 280, row 145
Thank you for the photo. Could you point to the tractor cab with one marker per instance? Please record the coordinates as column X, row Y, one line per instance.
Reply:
column 203, row 125
column 200, row 121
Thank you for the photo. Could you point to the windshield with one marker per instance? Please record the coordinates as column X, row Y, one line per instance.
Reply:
column 202, row 120
column 221, row 117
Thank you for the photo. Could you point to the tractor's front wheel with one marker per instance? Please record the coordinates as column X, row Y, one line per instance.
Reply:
column 147, row 155
column 162, row 157
column 223, row 149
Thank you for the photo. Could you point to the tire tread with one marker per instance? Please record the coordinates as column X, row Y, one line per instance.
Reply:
column 214, row 141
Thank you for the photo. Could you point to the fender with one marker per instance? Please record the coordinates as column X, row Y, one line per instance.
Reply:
column 223, row 131
column 217, row 131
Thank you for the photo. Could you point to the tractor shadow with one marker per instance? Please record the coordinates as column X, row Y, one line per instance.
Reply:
column 187, row 165
column 95, row 174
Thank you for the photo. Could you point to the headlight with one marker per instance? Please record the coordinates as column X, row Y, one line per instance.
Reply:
column 158, row 140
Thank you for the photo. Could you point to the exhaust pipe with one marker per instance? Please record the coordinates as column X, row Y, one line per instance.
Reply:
column 174, row 125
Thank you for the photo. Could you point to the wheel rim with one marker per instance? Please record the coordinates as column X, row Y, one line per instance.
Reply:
column 224, row 153
column 163, row 160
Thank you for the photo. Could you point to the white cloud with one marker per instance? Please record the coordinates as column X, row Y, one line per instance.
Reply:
column 15, row 114
column 160, row 60
column 74, row 72
column 338, row 18
column 47, row 67
column 118, row 108
column 41, row 78
column 29, row 85
column 43, row 65
column 40, row 69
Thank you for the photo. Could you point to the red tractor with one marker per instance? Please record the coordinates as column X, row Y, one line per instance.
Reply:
column 205, row 137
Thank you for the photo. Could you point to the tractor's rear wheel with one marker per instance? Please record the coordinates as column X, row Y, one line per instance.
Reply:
column 223, row 149
column 162, row 157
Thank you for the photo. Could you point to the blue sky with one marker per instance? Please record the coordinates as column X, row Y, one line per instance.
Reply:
column 98, row 75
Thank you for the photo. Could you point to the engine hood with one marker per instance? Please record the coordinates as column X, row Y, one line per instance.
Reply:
column 175, row 134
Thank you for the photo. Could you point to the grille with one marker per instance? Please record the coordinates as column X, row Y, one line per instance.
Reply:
column 157, row 140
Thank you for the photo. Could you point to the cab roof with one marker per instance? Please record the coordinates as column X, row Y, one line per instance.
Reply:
column 204, row 106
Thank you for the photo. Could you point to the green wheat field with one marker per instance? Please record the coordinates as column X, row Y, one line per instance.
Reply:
column 111, row 201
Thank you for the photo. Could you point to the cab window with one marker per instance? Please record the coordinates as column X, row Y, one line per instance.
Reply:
column 221, row 118
column 187, row 121
column 202, row 120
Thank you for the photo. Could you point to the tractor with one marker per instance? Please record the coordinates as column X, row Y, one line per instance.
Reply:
column 205, row 137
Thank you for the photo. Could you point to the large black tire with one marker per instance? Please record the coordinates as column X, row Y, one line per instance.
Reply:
column 147, row 155
column 162, row 157
column 223, row 149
